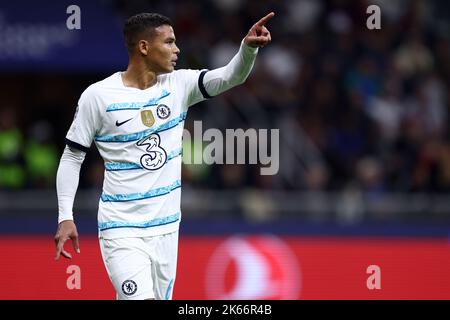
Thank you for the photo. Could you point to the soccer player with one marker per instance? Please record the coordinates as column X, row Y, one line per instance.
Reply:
column 136, row 119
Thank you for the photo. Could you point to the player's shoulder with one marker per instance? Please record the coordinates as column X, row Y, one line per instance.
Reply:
column 184, row 74
column 98, row 88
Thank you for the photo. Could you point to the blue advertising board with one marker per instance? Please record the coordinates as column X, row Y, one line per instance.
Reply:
column 66, row 35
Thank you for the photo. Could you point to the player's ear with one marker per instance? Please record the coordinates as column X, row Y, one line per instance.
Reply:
column 143, row 47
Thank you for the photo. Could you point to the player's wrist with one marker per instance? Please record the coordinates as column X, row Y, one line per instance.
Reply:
column 64, row 217
column 246, row 48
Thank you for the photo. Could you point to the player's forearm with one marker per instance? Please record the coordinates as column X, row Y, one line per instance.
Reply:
column 234, row 73
column 67, row 179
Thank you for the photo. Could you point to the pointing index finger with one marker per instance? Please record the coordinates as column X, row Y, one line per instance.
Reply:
column 264, row 20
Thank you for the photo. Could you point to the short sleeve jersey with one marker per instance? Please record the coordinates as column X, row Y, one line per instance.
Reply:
column 139, row 135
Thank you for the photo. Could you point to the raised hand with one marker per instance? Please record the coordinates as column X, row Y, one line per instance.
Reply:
column 259, row 35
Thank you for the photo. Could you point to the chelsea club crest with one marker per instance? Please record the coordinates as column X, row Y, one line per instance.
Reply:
column 163, row 111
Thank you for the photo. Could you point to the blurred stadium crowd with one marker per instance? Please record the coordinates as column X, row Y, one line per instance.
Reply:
column 359, row 108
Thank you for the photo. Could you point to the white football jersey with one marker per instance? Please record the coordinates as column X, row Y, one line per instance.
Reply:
column 139, row 136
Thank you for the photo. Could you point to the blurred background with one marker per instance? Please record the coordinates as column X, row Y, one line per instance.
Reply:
column 364, row 173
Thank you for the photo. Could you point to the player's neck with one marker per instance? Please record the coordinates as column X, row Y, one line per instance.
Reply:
column 137, row 77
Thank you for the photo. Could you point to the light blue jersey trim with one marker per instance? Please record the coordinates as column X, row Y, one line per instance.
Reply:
column 144, row 224
column 141, row 195
column 136, row 105
column 139, row 135
column 122, row 166
column 174, row 154
column 169, row 289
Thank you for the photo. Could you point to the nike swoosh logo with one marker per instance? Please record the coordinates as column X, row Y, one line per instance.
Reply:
column 118, row 124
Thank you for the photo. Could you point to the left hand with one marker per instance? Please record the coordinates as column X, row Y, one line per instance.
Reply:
column 259, row 35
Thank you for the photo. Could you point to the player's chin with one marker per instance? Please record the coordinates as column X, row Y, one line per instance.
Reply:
column 167, row 69
column 170, row 68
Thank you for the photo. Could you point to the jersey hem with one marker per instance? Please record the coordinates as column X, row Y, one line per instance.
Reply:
column 130, row 232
